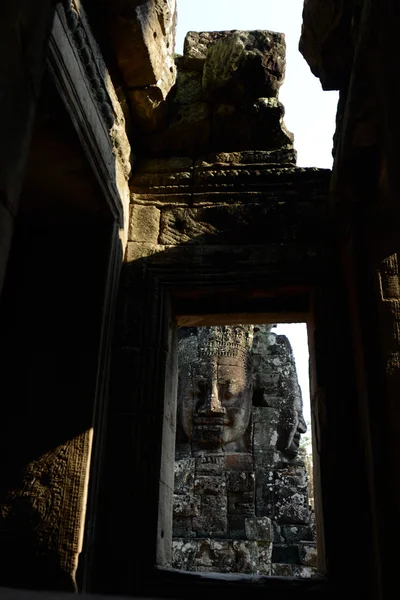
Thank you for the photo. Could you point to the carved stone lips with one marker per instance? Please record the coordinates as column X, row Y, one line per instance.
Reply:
column 209, row 421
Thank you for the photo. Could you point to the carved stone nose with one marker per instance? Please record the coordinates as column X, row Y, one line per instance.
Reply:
column 212, row 404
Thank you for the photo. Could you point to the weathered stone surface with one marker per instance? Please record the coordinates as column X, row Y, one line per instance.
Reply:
column 149, row 108
column 182, row 527
column 289, row 570
column 308, row 553
column 180, row 226
column 244, row 66
column 326, row 40
column 266, row 421
column 238, row 461
column 244, row 496
column 186, row 506
column 210, row 465
column 188, row 133
column 184, row 476
column 240, row 481
column 241, row 503
column 249, row 157
column 144, row 224
column 212, row 525
column 196, row 46
column 214, row 486
column 264, row 557
column 143, row 37
column 258, row 125
column 265, row 489
column 293, row 534
column 187, row 89
column 259, row 528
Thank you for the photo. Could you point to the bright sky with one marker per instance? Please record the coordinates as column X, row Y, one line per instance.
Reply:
column 310, row 112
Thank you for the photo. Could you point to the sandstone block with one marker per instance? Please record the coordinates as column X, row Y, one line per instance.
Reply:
column 244, row 66
column 188, row 133
column 308, row 553
column 259, row 528
column 240, row 481
column 144, row 224
column 217, row 526
column 183, row 553
column 183, row 225
column 184, row 476
column 288, row 570
column 148, row 108
column 241, row 503
column 196, row 46
column 182, row 528
column 264, row 557
column 210, row 485
column 257, row 125
column 282, row 156
column 292, row 509
column 143, row 37
column 293, row 534
column 215, row 555
column 187, row 89
column 239, row 462
column 186, row 506
column 246, row 556
column 139, row 250
column 210, row 465
column 264, row 496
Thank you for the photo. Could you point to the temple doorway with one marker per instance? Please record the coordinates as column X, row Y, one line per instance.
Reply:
column 243, row 486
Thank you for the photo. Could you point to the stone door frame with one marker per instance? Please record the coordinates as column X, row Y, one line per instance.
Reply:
column 160, row 291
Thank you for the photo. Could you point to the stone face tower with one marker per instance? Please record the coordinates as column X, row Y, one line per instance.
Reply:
column 241, row 501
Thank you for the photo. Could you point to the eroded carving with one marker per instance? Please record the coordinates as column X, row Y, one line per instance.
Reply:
column 241, row 499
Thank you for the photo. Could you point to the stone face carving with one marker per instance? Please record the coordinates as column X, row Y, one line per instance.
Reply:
column 215, row 387
column 241, row 501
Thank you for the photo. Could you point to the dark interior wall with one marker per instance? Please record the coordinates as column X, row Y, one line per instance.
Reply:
column 24, row 31
column 50, row 318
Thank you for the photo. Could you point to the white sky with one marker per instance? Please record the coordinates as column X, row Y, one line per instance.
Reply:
column 310, row 112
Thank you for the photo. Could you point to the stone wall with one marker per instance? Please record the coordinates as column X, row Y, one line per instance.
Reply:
column 249, row 511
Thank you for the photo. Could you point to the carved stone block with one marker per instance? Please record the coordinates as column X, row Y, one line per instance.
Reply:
column 289, row 570
column 182, row 528
column 259, row 528
column 241, row 481
column 186, row 506
column 210, row 465
column 214, row 526
column 264, row 557
column 241, row 503
column 184, row 476
column 215, row 486
column 293, row 534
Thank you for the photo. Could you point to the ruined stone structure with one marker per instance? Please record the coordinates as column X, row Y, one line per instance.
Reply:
column 138, row 195
column 240, row 490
